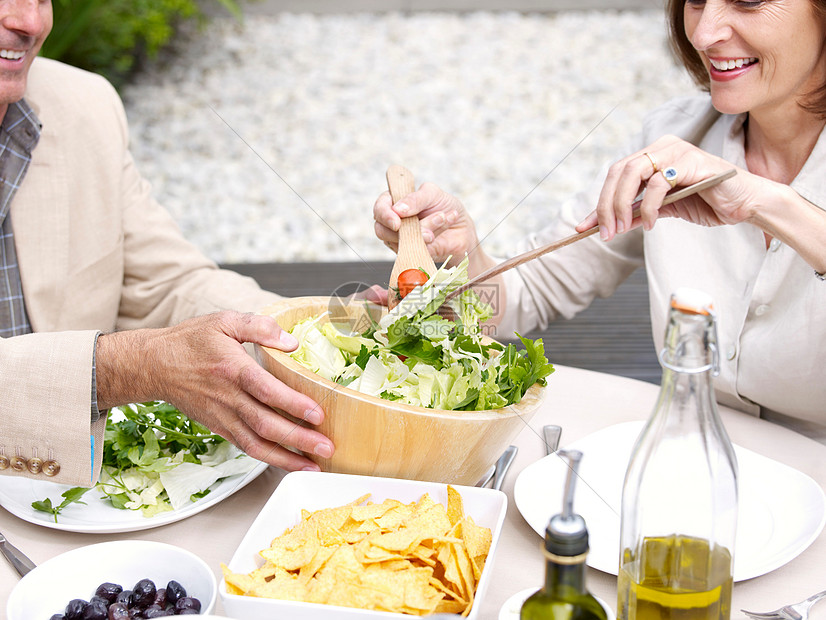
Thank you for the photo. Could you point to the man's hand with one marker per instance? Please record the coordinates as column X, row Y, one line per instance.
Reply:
column 202, row 367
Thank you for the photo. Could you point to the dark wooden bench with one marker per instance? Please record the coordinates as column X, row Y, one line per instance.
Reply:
column 613, row 335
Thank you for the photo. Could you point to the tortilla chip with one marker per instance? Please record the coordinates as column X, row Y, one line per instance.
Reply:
column 418, row 558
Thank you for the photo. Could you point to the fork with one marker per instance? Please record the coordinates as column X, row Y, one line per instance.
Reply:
column 797, row 611
column 551, row 434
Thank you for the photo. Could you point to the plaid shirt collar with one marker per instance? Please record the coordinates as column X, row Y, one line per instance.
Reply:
column 19, row 134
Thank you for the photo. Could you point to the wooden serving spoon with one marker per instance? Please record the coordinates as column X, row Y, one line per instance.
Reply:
column 412, row 252
column 545, row 249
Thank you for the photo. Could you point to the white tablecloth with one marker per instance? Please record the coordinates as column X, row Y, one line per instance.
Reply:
column 581, row 402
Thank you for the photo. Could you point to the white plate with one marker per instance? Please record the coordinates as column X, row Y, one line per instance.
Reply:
column 781, row 510
column 317, row 490
column 510, row 610
column 99, row 516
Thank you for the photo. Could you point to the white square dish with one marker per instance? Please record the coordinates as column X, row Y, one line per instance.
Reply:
column 315, row 491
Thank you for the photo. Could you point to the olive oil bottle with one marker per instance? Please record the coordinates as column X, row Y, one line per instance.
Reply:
column 699, row 580
column 564, row 596
column 679, row 500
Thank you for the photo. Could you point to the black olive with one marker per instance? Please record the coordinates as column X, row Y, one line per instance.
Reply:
column 143, row 594
column 97, row 609
column 118, row 611
column 187, row 602
column 124, row 597
column 174, row 591
column 109, row 591
column 156, row 611
column 160, row 597
column 144, row 600
column 75, row 609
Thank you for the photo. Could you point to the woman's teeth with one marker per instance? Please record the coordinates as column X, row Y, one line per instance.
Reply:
column 728, row 65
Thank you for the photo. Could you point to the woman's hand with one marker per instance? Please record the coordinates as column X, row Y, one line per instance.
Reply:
column 730, row 202
column 202, row 367
column 447, row 228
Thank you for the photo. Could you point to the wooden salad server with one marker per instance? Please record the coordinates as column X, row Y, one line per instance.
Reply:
column 545, row 249
column 412, row 252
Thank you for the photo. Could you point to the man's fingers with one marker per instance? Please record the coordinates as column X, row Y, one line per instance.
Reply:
column 258, row 427
column 258, row 329
column 267, row 389
column 269, row 452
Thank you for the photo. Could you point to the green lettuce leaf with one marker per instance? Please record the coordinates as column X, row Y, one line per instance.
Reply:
column 418, row 357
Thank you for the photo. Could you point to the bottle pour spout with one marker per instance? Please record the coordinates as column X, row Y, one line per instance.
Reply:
column 566, row 534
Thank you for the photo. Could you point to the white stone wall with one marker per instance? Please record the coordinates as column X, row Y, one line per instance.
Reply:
column 268, row 140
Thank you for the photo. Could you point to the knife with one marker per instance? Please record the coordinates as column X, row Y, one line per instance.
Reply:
column 502, row 466
column 15, row 557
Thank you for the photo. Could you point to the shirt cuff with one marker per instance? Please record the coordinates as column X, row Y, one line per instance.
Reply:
column 95, row 411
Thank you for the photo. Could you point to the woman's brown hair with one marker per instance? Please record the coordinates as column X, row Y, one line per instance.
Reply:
column 685, row 52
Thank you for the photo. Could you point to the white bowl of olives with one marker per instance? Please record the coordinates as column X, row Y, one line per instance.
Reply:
column 113, row 579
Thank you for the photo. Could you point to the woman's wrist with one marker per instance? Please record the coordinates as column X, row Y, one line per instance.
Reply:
column 787, row 216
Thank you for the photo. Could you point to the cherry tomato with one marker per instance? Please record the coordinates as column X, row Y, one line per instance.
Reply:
column 410, row 279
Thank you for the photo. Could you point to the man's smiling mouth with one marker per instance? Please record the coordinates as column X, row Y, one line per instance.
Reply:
column 11, row 54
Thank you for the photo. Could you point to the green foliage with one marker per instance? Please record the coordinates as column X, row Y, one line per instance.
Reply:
column 149, row 437
column 114, row 37
column 524, row 369
column 133, row 441
column 69, row 497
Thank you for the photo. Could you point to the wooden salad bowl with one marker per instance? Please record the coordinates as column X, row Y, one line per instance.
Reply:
column 377, row 437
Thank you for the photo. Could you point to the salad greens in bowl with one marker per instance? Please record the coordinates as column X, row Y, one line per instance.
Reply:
column 409, row 393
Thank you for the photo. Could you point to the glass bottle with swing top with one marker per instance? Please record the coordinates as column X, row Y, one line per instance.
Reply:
column 679, row 500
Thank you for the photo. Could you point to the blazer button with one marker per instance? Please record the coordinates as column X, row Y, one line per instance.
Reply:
column 51, row 468
column 4, row 462
column 18, row 463
column 35, row 465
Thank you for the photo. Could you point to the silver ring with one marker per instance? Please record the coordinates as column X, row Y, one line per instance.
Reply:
column 670, row 175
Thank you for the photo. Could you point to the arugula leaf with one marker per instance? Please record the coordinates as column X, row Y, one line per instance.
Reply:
column 523, row 369
column 363, row 355
column 539, row 367
column 70, row 496
column 405, row 339
column 157, row 427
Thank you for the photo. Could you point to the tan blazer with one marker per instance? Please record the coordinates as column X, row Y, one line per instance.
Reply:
column 96, row 252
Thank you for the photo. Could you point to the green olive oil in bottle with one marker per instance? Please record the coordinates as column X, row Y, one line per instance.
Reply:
column 679, row 500
column 564, row 596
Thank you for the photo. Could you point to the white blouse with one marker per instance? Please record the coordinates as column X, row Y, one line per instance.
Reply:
column 771, row 307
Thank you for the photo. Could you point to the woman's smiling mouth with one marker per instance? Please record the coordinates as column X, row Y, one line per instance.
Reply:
column 731, row 63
